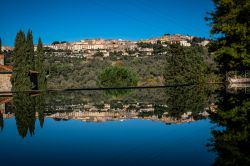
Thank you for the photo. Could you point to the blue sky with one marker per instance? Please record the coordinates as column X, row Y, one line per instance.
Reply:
column 72, row 20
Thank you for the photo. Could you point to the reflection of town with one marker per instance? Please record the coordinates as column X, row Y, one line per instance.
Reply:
column 92, row 112
column 3, row 107
column 169, row 106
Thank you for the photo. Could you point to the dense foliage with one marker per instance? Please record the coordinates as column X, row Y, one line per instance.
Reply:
column 231, row 23
column 117, row 76
column 40, row 66
column 20, row 77
column 29, row 53
column 79, row 73
column 24, row 63
column 190, row 65
column 232, row 142
column 185, row 65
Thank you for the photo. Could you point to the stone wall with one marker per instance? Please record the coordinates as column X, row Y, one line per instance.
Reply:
column 1, row 59
column 5, row 83
column 239, row 80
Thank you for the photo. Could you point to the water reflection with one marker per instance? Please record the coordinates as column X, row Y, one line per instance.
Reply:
column 193, row 99
column 40, row 108
column 232, row 142
column 24, row 109
column 171, row 105
column 118, row 93
column 229, row 109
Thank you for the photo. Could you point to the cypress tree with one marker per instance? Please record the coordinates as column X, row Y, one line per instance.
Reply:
column 20, row 77
column 30, row 51
column 40, row 66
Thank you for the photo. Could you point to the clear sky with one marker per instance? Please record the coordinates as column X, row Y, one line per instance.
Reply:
column 72, row 20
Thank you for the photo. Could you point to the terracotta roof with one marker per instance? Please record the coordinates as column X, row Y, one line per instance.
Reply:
column 8, row 69
column 5, row 100
column 5, row 69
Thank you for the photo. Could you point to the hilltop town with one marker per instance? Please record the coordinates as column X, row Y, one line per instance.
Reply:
column 77, row 64
column 107, row 47
column 120, row 45
column 89, row 48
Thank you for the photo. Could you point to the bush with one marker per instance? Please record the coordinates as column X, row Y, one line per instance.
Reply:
column 117, row 76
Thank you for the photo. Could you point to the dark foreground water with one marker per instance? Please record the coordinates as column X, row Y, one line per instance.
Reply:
column 173, row 126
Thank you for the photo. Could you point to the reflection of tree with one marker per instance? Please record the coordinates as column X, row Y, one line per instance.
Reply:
column 25, row 107
column 1, row 121
column 40, row 107
column 187, row 99
column 181, row 100
column 117, row 93
column 232, row 143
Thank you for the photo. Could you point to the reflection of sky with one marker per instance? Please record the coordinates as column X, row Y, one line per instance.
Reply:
column 132, row 142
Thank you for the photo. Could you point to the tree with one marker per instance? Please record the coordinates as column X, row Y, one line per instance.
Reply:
column 30, row 51
column 184, row 65
column 23, row 62
column 20, row 77
column 40, row 66
column 158, row 48
column 230, row 21
column 117, row 76
column 145, row 45
column 0, row 45
column 55, row 42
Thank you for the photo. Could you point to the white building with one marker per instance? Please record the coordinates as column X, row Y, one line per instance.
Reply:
column 185, row 43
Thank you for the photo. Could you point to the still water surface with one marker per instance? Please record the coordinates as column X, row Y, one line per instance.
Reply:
column 172, row 126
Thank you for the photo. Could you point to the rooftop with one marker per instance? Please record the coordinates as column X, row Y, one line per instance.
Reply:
column 6, row 69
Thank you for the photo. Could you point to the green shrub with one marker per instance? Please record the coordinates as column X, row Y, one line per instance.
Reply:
column 117, row 76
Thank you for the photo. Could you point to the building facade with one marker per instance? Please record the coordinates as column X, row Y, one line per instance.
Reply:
column 5, row 76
